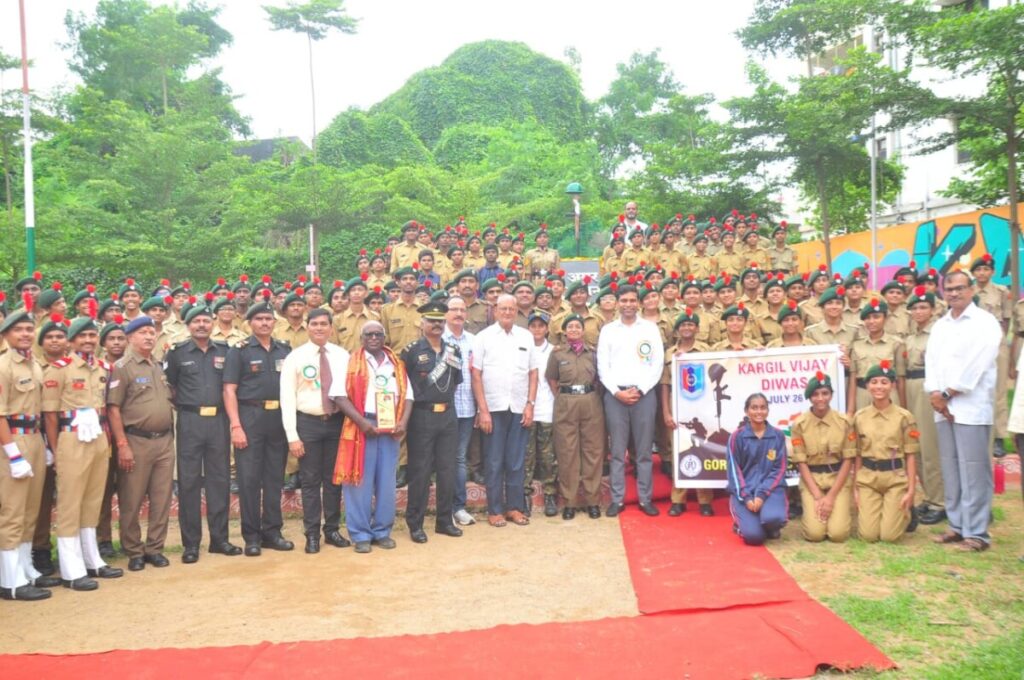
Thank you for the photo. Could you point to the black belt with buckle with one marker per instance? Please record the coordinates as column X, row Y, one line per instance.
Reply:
column 265, row 404
column 916, row 374
column 205, row 411
column 137, row 432
column 823, row 469
column 433, row 407
column 882, row 465
column 575, row 389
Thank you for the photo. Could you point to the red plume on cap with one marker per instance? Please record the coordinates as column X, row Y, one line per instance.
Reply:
column 266, row 294
column 302, row 278
column 689, row 311
column 416, row 266
column 727, row 278
column 129, row 282
column 874, row 303
column 376, row 289
column 673, row 275
column 165, row 282
column 38, row 276
column 513, row 267
column 806, row 276
column 57, row 285
column 522, row 235
column 614, row 285
column 364, row 276
column 287, row 285
column 713, row 220
column 783, row 224
column 222, row 281
column 822, row 268
column 792, row 304
column 735, row 212
column 92, row 309
column 561, row 272
column 428, row 283
column 840, row 290
column 884, row 364
column 230, row 296
column 622, row 218
column 299, row 291
column 244, row 278
column 208, row 297
column 113, row 296
column 119, row 319
column 168, row 300
column 643, row 263
column 376, row 251
column 3, row 297
column 691, row 216
column 501, row 277
column 614, row 276
column 919, row 291
column 90, row 288
column 819, row 376
column 932, row 272
column 56, row 318
column 655, row 227
column 587, row 279
column 631, row 280
column 28, row 301
column 837, row 276
column 780, row 277
column 689, row 277
column 188, row 286
column 544, row 226
column 753, row 216
column 740, row 306
column 493, row 225
column 648, row 286
column 316, row 280
column 266, row 278
column 986, row 258
column 549, row 283
column 192, row 299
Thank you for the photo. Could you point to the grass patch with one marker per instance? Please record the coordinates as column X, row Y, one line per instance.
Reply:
column 997, row 659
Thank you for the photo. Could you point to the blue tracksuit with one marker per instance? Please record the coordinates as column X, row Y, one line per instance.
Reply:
column 756, row 468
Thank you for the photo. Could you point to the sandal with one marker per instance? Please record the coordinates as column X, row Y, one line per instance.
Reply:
column 517, row 517
column 973, row 545
column 496, row 520
column 948, row 537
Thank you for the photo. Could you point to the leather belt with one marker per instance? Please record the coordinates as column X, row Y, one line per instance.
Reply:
column 265, row 404
column 322, row 419
column 205, row 411
column 137, row 432
column 439, row 407
column 882, row 465
column 575, row 389
column 916, row 374
column 823, row 469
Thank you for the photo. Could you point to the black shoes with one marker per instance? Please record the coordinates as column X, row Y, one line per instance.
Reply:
column 931, row 515
column 336, row 539
column 796, row 511
column 774, row 533
column 253, row 550
column 594, row 512
column 568, row 513
column 278, row 543
column 158, row 560
column 291, row 483
column 676, row 509
column 448, row 530
column 387, row 543
column 614, row 509
column 42, row 560
column 363, row 547
column 418, row 536
column 190, row 556
column 81, row 584
column 107, row 550
column 649, row 509
column 26, row 592
column 106, row 571
column 476, row 478
column 136, row 563
column 550, row 505
column 400, row 479
column 312, row 544
column 46, row 582
column 912, row 526
column 226, row 548
column 706, row 510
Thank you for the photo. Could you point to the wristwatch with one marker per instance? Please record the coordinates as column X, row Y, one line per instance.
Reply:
column 531, row 402
column 946, row 395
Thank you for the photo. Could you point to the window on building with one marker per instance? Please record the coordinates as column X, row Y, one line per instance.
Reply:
column 882, row 148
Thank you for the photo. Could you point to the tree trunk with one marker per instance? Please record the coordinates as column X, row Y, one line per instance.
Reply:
column 826, row 226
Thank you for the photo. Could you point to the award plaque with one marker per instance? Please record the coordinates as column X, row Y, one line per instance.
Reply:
column 386, row 416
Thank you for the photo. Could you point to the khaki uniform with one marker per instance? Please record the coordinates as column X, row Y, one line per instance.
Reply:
column 231, row 337
column 822, row 334
column 613, row 263
column 747, row 343
column 995, row 300
column 702, row 266
column 164, row 341
column 663, row 435
column 712, row 328
column 784, row 259
column 506, row 259
column 633, row 257
column 884, row 438
column 758, row 255
column 21, row 383
column 823, row 444
column 479, row 315
column 673, row 261
column 780, row 342
column 538, row 260
column 591, row 328
column 851, row 316
column 71, row 384
column 865, row 353
column 401, row 324
column 139, row 389
column 578, row 429
column 771, row 329
column 929, row 468
column 349, row 325
column 374, row 281
column 403, row 254
column 811, row 312
column 897, row 322
column 295, row 337
column 730, row 262
column 474, row 261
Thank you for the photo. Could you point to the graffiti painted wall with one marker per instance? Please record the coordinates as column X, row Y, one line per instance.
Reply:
column 942, row 243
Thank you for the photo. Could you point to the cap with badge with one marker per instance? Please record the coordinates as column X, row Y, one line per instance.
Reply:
column 818, row 381
column 141, row 321
column 572, row 317
column 789, row 309
column 737, row 309
column 875, row 306
column 156, row 301
column 129, row 286
column 81, row 325
column 56, row 322
column 51, row 296
column 88, row 292
column 117, row 324
column 882, row 369
column 688, row 315
column 16, row 317
column 538, row 315
column 920, row 294
column 35, row 280
column 433, row 310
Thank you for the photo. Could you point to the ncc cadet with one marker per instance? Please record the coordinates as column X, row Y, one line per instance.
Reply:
column 142, row 422
column 887, row 448
column 23, row 468
column 130, row 295
column 702, row 265
column 407, row 252
column 686, row 327
column 870, row 348
column 195, row 370
column 782, row 258
column 824, row 446
column 114, row 343
column 897, row 320
column 74, row 391
column 995, row 300
column 932, row 509
column 831, row 330
column 348, row 325
column 729, row 260
column 577, row 294
column 791, row 326
column 817, row 283
column 578, row 432
column 225, row 324
column 434, row 368
column 252, row 394
column 734, row 337
column 401, row 324
column 157, row 308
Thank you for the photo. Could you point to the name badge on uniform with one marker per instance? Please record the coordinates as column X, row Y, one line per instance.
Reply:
column 278, row 365
column 78, row 384
column 142, row 380
column 385, row 411
column 256, row 366
column 218, row 362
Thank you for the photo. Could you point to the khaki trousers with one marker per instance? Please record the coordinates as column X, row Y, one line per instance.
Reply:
column 19, row 498
column 81, row 478
column 879, row 516
column 154, row 459
column 579, row 439
column 837, row 527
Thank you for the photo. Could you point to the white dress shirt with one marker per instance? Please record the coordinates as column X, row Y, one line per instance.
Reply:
column 300, row 382
column 544, row 409
column 961, row 356
column 384, row 371
column 630, row 355
column 505, row 360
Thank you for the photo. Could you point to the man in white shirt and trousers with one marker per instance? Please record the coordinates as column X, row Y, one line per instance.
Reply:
column 630, row 360
column 960, row 377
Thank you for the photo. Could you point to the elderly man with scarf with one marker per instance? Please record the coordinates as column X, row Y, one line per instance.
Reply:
column 373, row 398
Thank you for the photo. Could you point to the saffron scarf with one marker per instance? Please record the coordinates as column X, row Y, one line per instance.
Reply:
column 348, row 468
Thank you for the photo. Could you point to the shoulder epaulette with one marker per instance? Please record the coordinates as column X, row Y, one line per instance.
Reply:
column 180, row 343
column 62, row 362
column 218, row 343
column 241, row 343
column 106, row 365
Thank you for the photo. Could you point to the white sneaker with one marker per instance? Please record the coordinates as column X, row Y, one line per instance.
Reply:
column 464, row 518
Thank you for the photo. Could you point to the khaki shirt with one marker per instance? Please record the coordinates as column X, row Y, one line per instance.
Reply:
column 886, row 434
column 591, row 327
column 673, row 261
column 811, row 311
column 566, row 368
column 633, row 257
column 758, row 255
column 782, row 259
column 506, row 259
column 995, row 300
column 914, row 347
column 539, row 260
column 823, row 441
column 139, row 388
column 348, row 326
column 613, row 263
column 21, row 385
column 865, row 353
column 731, row 263
column 748, row 343
column 478, row 316
column 702, row 266
column 897, row 322
column 71, row 383
column 373, row 281
column 474, row 261
column 671, row 352
column 771, row 329
column 295, row 337
column 401, row 324
column 822, row 334
column 403, row 255
column 780, row 342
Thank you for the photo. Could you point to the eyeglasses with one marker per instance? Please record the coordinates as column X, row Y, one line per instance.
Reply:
column 373, row 334
column 956, row 289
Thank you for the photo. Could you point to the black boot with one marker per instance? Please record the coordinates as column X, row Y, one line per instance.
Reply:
column 42, row 560
column 400, row 480
column 550, row 505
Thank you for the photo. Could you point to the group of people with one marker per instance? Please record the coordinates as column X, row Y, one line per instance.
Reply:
column 431, row 363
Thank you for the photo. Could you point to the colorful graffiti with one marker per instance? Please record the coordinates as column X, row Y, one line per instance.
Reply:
column 943, row 243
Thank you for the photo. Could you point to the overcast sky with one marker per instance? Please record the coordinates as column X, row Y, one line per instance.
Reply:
column 396, row 38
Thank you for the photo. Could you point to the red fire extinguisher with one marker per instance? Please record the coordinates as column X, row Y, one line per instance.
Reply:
column 999, row 476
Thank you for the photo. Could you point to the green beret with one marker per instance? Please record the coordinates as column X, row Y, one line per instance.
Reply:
column 374, row 295
column 607, row 290
column 874, row 307
column 669, row 281
column 489, row 284
column 725, row 281
column 881, row 370
column 241, row 284
column 816, row 274
column 450, row 285
column 908, row 271
column 573, row 317
column 55, row 323
column 930, row 276
column 221, row 303
column 196, row 311
column 831, row 293
column 36, row 279
column 80, row 325
column 686, row 316
column 579, row 284
column 700, row 237
column 355, row 281
column 920, row 295
column 467, row 273
column 543, row 231
column 788, row 309
column 774, row 282
column 308, row 286
column 816, row 382
column 606, row 280
column 556, row 276
column 856, row 277
column 259, row 308
column 793, row 280
column 19, row 316
column 390, row 285
column 129, row 286
column 542, row 289
column 439, row 296
column 49, row 297
column 711, row 282
column 983, row 261
column 109, row 328
column 186, row 288
column 155, row 301
column 892, row 285
column 645, row 290
column 84, row 294
column 736, row 310
column 107, row 304
column 751, row 269
column 490, row 246
column 689, row 283
column 403, row 271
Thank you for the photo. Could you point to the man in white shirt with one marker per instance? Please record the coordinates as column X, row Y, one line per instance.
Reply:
column 630, row 359
column 505, row 388
column 456, row 334
column 960, row 376
column 312, row 423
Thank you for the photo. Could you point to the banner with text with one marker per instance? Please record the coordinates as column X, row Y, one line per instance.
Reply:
column 710, row 388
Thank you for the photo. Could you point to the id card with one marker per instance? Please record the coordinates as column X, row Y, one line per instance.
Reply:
column 386, row 417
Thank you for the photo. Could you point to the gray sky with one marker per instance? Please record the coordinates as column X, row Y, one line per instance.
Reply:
column 397, row 38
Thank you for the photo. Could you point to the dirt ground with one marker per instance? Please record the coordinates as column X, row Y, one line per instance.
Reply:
column 551, row 570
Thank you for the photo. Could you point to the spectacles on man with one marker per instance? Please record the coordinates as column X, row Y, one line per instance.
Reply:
column 956, row 289
column 373, row 334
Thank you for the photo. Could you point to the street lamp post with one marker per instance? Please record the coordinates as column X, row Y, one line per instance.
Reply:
column 575, row 190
